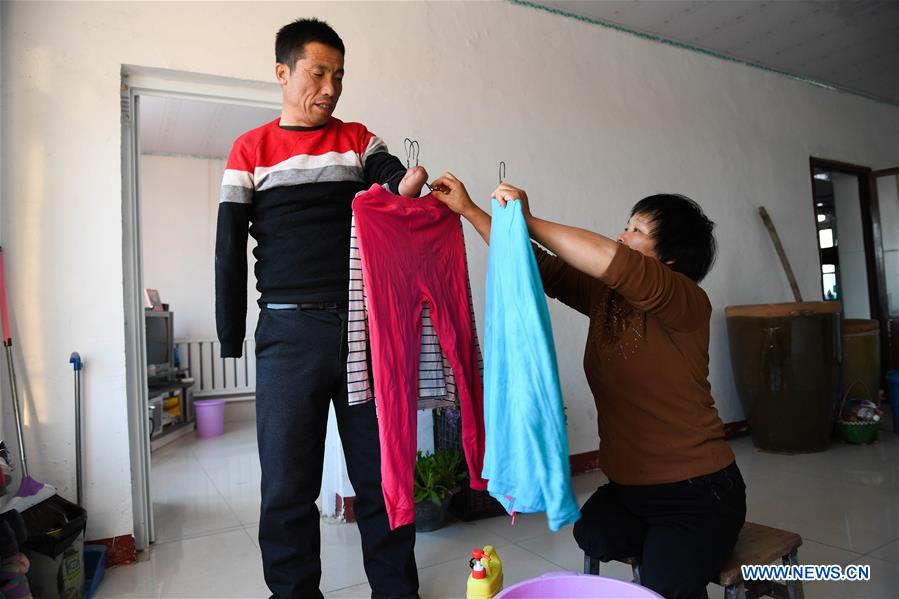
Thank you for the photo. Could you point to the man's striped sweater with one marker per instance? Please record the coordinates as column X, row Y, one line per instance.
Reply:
column 292, row 189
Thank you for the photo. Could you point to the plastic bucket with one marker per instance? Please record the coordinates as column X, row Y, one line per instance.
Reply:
column 570, row 585
column 893, row 394
column 210, row 417
column 861, row 354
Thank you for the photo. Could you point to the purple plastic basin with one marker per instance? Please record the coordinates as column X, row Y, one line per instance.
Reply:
column 571, row 585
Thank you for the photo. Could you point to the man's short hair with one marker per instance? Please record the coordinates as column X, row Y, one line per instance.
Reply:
column 682, row 233
column 290, row 43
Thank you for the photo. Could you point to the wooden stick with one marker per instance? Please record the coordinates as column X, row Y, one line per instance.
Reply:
column 784, row 261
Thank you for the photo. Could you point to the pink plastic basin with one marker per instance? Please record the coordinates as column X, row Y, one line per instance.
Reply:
column 570, row 585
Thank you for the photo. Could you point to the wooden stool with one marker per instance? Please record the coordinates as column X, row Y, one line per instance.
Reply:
column 756, row 545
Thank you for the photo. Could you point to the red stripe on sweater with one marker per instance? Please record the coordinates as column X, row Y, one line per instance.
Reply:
column 269, row 144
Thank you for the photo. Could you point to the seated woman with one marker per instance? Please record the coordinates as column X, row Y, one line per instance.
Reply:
column 675, row 496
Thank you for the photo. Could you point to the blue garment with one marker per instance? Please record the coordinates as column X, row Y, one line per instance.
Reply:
column 526, row 449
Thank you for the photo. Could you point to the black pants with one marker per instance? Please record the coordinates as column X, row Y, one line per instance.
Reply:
column 300, row 370
column 683, row 532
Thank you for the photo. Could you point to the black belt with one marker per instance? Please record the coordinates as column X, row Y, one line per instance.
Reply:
column 308, row 306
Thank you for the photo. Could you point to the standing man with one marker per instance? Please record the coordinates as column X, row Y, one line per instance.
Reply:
column 291, row 184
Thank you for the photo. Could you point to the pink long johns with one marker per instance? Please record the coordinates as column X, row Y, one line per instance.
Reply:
column 413, row 252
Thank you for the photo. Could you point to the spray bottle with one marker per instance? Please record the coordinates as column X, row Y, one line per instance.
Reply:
column 486, row 578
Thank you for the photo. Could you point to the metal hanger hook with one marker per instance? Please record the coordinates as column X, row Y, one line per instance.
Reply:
column 413, row 149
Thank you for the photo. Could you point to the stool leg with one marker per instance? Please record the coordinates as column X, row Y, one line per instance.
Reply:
column 735, row 591
column 591, row 565
column 636, row 570
column 794, row 587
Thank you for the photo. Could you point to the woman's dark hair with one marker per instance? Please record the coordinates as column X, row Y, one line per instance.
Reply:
column 290, row 43
column 682, row 233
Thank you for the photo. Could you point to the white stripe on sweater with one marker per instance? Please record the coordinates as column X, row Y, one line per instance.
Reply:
column 308, row 162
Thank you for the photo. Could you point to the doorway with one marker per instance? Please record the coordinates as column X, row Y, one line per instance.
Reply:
column 851, row 206
column 841, row 248
column 176, row 129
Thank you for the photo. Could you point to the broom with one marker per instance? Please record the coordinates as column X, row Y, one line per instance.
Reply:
column 28, row 486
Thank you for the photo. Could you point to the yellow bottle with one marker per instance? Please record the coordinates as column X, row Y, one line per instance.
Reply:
column 486, row 578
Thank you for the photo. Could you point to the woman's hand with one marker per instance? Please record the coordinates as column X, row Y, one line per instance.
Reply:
column 449, row 190
column 506, row 193
column 452, row 192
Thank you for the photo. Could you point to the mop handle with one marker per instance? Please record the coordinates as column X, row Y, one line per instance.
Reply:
column 7, row 343
column 15, row 404
column 75, row 361
column 4, row 310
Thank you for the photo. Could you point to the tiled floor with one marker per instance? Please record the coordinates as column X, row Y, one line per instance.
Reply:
column 844, row 502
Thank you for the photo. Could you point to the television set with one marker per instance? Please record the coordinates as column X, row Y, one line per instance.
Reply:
column 160, row 344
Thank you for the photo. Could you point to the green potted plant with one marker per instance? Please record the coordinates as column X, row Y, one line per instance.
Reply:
column 437, row 477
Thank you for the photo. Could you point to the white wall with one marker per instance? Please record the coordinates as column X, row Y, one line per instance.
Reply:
column 179, row 207
column 850, row 247
column 588, row 120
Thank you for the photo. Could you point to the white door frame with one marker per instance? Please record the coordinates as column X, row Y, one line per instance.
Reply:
column 137, row 82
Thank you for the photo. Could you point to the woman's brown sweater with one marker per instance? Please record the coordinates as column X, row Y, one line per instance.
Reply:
column 647, row 364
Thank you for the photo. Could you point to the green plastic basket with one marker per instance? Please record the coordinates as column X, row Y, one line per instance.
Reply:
column 856, row 432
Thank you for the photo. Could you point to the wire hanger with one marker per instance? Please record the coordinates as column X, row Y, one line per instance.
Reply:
column 413, row 149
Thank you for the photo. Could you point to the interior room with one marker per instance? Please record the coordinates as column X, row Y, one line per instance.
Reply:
column 130, row 170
